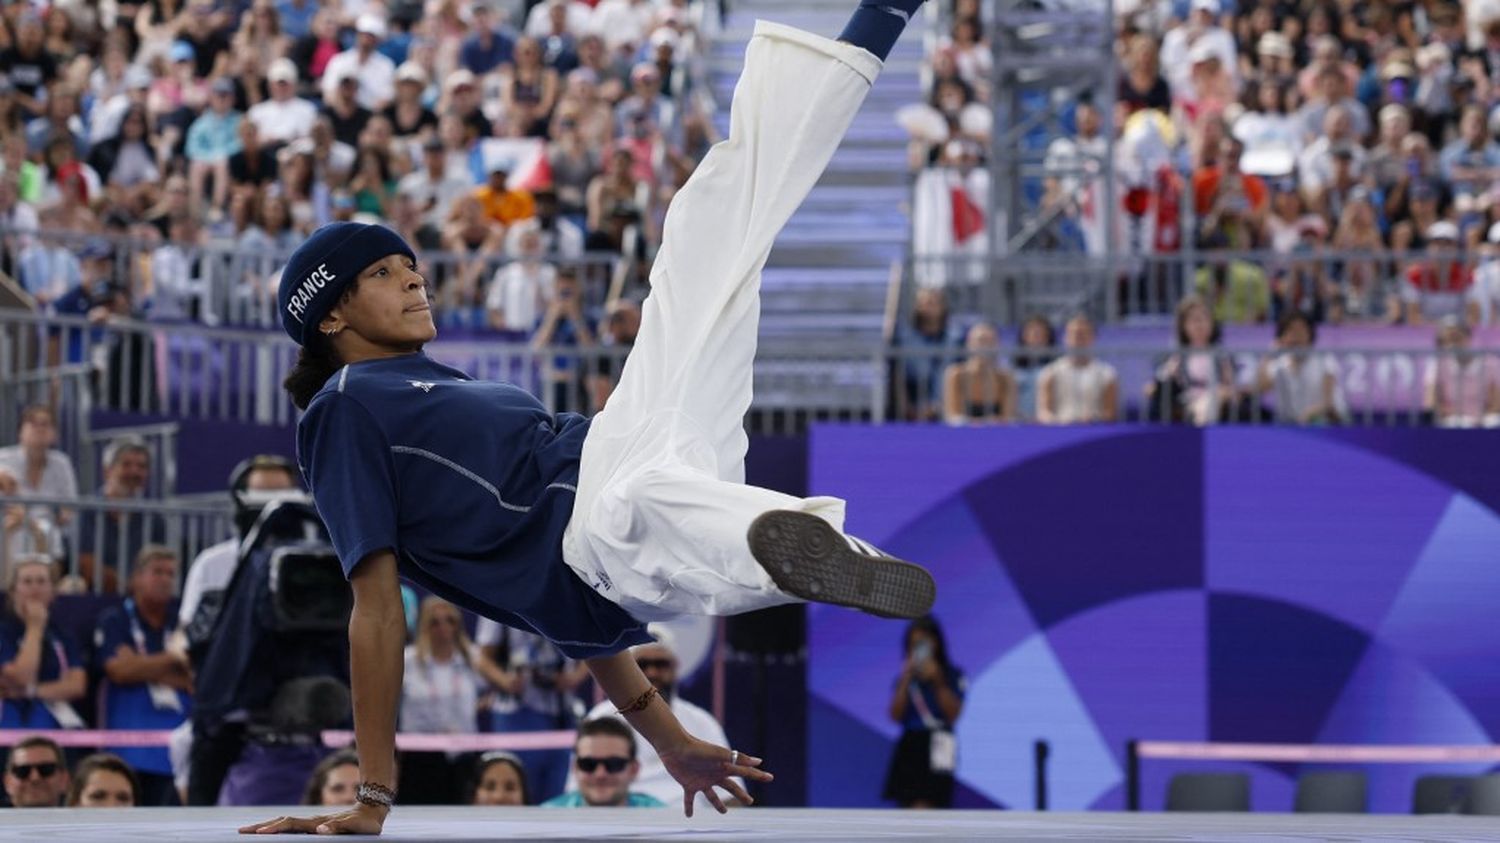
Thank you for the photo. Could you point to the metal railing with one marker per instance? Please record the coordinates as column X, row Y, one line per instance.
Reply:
column 68, row 390
column 235, row 286
column 94, row 540
column 1243, row 285
column 1369, row 387
column 205, row 373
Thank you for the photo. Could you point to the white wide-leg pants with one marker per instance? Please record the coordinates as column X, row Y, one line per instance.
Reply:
column 662, row 511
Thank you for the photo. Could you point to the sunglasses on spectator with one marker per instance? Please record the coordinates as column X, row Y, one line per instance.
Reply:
column 613, row 764
column 24, row 771
column 654, row 664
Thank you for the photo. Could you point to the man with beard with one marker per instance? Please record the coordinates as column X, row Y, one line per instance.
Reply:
column 658, row 660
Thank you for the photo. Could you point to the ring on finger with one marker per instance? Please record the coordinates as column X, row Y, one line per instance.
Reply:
column 734, row 756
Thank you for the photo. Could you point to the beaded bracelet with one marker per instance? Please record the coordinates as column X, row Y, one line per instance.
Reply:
column 640, row 702
column 379, row 795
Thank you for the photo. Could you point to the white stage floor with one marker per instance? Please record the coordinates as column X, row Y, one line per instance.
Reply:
column 459, row 823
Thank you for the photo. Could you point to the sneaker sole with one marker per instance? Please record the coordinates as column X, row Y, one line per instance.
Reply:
column 808, row 558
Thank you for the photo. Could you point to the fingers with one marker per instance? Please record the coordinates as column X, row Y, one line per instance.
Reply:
column 737, row 791
column 714, row 800
column 283, row 825
column 687, row 802
column 747, row 769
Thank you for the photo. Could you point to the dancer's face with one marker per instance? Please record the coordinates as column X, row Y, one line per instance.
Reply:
column 389, row 310
column 600, row 787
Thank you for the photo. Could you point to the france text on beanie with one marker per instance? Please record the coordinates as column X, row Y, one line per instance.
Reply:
column 324, row 265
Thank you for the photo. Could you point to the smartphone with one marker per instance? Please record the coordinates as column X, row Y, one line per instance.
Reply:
column 922, row 651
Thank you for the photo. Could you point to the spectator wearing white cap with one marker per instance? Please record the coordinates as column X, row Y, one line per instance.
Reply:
column 1201, row 27
column 658, row 660
column 1484, row 296
column 1437, row 286
column 375, row 71
column 1276, row 57
column 461, row 101
column 410, row 118
column 285, row 116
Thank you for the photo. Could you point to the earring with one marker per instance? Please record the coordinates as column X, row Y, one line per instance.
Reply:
column 332, row 332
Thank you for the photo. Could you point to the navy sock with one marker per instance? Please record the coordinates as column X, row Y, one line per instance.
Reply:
column 877, row 24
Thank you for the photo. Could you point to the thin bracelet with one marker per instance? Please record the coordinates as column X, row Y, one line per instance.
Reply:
column 640, row 702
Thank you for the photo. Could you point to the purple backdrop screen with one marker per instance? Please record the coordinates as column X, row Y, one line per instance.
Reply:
column 1103, row 584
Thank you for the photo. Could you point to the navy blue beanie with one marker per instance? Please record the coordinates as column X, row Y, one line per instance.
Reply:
column 324, row 265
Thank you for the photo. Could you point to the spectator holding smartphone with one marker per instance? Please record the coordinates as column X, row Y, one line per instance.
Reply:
column 928, row 699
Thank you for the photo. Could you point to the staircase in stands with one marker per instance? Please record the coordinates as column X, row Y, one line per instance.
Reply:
column 827, row 276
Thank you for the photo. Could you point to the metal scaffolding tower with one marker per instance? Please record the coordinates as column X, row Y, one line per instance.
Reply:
column 1048, row 56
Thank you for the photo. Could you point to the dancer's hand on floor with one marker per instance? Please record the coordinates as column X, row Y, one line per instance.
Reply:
column 699, row 765
column 360, row 819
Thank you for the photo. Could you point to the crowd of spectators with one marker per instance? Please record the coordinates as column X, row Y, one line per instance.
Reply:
column 962, row 372
column 127, row 664
column 1338, row 159
column 186, row 146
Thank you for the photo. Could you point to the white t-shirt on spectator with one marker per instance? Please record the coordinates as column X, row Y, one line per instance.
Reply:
column 1299, row 388
column 1176, row 67
column 654, row 780
column 376, row 74
column 1315, row 164
column 1078, row 391
column 1486, row 291
column 173, row 286
column 1465, row 388
column 565, row 240
column 58, row 480
column 211, row 571
column 443, row 191
column 520, row 291
column 439, row 697
column 621, row 22
column 283, row 121
column 579, row 18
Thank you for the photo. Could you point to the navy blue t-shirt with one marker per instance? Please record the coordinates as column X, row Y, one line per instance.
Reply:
column 470, row 482
column 59, row 655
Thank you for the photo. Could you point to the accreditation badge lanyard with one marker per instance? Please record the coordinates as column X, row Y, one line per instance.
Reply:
column 163, row 697
column 61, row 710
column 943, row 748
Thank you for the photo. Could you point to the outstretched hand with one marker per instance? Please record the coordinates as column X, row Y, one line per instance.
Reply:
column 359, row 819
column 698, row 766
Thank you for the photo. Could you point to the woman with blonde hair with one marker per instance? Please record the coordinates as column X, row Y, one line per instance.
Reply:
column 439, row 695
column 41, row 668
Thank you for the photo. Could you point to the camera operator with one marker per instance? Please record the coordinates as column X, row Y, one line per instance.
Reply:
column 252, row 485
column 536, row 691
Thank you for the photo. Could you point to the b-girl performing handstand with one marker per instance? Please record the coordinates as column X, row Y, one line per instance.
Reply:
column 580, row 530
